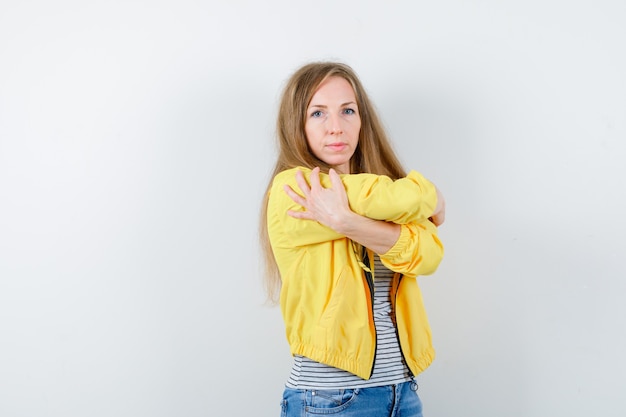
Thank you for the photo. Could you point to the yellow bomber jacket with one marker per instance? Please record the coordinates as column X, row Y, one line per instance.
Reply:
column 326, row 297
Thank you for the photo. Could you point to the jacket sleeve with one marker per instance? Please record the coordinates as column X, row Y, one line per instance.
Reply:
column 286, row 231
column 418, row 250
column 406, row 200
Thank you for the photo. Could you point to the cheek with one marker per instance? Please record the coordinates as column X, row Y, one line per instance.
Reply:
column 311, row 134
column 307, row 135
column 357, row 130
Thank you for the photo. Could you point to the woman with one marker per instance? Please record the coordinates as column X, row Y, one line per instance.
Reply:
column 346, row 232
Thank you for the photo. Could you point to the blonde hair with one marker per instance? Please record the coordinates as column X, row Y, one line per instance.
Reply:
column 373, row 154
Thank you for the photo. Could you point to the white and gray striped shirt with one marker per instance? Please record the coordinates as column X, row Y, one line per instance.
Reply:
column 389, row 365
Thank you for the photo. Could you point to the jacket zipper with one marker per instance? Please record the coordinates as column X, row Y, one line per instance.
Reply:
column 395, row 318
column 370, row 283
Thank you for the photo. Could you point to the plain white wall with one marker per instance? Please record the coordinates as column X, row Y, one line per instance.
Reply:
column 136, row 139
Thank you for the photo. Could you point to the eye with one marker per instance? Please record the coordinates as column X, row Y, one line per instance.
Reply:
column 349, row 111
column 316, row 113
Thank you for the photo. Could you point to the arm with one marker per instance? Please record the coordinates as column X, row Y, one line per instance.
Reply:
column 418, row 250
column 329, row 206
column 405, row 200
column 377, row 235
column 411, row 249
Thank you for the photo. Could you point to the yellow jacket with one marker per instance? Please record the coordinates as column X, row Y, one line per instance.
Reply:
column 326, row 297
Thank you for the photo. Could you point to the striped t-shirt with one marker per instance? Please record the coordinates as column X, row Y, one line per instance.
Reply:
column 389, row 365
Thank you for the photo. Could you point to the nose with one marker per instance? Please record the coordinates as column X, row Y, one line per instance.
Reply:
column 334, row 125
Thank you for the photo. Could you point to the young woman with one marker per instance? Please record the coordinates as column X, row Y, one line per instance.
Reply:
column 346, row 231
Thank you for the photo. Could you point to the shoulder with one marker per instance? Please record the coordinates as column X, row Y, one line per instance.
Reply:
column 283, row 176
column 286, row 177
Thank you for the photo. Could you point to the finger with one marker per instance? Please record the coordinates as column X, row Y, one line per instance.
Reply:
column 441, row 202
column 438, row 219
column 302, row 184
column 335, row 179
column 297, row 198
column 305, row 215
column 315, row 179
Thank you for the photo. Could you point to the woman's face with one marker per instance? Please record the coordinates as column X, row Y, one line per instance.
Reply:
column 333, row 123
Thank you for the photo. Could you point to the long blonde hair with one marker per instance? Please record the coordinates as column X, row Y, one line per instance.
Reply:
column 373, row 154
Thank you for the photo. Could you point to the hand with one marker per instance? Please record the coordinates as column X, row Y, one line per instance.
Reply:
column 439, row 216
column 328, row 206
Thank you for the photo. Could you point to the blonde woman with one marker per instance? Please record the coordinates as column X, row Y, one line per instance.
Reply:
column 346, row 231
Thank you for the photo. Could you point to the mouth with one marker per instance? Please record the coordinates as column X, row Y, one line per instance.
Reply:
column 337, row 146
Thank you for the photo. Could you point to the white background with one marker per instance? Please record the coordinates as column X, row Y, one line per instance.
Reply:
column 136, row 140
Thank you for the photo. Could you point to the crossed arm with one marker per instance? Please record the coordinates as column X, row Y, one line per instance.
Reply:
column 330, row 207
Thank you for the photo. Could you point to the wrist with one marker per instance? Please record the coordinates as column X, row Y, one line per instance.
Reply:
column 345, row 223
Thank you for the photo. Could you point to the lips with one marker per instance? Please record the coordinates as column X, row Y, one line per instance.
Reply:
column 338, row 146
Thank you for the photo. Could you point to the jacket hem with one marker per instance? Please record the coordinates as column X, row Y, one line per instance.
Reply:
column 420, row 364
column 336, row 360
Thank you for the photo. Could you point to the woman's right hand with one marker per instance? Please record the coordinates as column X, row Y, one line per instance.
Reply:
column 328, row 206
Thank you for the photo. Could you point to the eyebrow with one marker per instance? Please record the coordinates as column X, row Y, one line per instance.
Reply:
column 322, row 106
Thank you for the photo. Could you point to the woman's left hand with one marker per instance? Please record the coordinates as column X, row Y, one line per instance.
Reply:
column 328, row 206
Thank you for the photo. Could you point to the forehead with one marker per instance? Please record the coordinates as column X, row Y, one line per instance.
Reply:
column 334, row 88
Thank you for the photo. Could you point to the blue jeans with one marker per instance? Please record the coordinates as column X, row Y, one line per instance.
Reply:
column 388, row 401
